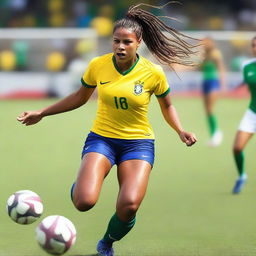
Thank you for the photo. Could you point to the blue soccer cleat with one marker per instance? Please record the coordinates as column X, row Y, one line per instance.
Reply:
column 104, row 249
column 239, row 185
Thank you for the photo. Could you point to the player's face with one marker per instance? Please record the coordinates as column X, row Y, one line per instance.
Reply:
column 254, row 47
column 125, row 45
column 208, row 44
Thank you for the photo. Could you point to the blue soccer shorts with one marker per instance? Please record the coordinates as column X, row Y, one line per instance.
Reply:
column 119, row 150
column 211, row 85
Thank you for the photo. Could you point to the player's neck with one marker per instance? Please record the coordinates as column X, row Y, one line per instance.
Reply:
column 124, row 66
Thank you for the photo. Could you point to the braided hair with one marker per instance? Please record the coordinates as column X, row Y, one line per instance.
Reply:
column 167, row 44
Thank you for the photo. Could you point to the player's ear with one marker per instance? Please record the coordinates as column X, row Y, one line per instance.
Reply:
column 139, row 42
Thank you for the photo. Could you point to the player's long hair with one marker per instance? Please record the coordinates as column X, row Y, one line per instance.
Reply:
column 167, row 44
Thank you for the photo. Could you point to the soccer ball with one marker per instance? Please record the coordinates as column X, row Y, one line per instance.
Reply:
column 56, row 234
column 24, row 206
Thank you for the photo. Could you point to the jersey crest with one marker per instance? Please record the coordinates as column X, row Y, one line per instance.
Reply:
column 138, row 87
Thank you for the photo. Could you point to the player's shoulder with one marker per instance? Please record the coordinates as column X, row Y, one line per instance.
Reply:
column 246, row 63
column 151, row 67
column 102, row 60
column 216, row 53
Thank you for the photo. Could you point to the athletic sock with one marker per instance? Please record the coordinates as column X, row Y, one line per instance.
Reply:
column 117, row 229
column 239, row 159
column 212, row 122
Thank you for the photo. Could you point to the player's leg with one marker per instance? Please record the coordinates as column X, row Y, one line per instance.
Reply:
column 240, row 142
column 94, row 168
column 97, row 159
column 247, row 128
column 133, row 176
column 209, row 103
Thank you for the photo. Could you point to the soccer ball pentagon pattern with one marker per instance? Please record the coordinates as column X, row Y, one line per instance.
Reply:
column 56, row 234
column 24, row 206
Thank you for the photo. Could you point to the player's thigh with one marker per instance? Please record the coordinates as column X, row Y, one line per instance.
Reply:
column 241, row 139
column 133, row 177
column 94, row 168
column 209, row 100
column 246, row 129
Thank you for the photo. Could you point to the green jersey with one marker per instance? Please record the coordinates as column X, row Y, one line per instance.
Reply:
column 249, row 73
column 209, row 66
column 210, row 70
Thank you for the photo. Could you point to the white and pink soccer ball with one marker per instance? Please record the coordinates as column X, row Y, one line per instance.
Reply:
column 24, row 206
column 56, row 234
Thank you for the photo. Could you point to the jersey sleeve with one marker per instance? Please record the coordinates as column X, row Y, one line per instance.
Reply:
column 161, row 87
column 89, row 77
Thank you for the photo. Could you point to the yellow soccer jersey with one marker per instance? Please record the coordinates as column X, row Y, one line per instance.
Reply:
column 123, row 97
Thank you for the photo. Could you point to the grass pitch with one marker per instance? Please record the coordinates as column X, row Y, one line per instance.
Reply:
column 188, row 210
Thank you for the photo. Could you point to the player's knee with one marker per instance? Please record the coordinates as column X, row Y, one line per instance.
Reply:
column 209, row 111
column 130, row 209
column 84, row 205
column 237, row 149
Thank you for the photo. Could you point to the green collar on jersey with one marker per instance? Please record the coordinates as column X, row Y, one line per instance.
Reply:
column 128, row 70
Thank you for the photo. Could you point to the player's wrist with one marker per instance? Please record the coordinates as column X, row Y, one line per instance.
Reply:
column 180, row 131
column 41, row 113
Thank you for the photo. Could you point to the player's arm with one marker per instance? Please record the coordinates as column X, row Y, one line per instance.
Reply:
column 73, row 101
column 218, row 59
column 171, row 116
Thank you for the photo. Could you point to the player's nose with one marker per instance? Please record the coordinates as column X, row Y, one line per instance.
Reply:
column 121, row 47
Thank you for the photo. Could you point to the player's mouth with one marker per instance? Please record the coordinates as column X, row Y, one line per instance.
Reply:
column 121, row 55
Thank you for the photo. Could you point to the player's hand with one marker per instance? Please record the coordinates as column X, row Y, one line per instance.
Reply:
column 30, row 117
column 188, row 138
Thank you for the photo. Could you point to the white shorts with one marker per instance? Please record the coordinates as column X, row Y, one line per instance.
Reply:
column 248, row 122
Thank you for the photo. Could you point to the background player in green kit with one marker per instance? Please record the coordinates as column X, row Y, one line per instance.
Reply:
column 247, row 125
column 121, row 133
column 213, row 79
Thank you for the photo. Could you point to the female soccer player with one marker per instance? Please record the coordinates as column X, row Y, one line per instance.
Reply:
column 121, row 133
column 247, row 125
column 213, row 79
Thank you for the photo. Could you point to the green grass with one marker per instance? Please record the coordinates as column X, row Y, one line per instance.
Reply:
column 188, row 209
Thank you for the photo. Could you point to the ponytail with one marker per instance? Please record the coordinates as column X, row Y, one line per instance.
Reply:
column 167, row 44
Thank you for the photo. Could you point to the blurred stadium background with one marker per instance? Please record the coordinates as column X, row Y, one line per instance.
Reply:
column 46, row 45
